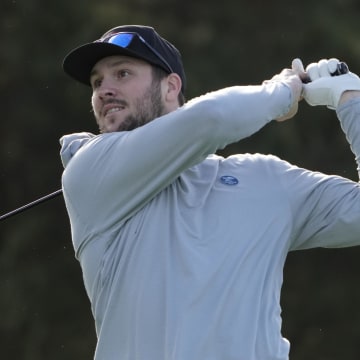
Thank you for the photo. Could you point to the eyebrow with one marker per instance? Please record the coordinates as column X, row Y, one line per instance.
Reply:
column 112, row 65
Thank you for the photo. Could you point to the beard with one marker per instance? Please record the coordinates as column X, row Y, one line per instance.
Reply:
column 147, row 108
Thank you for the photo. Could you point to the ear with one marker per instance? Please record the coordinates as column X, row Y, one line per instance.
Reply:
column 173, row 87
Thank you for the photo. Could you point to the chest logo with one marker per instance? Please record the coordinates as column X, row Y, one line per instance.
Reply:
column 229, row 180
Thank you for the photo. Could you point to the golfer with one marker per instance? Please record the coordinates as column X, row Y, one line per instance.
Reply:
column 182, row 250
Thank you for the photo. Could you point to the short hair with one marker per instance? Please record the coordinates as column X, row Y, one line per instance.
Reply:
column 159, row 74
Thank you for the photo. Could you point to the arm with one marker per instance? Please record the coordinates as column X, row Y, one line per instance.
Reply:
column 334, row 92
column 326, row 209
column 348, row 113
column 348, row 95
column 121, row 172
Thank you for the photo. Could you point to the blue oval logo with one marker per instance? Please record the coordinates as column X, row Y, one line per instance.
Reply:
column 229, row 180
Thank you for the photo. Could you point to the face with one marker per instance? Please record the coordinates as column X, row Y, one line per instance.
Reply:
column 125, row 96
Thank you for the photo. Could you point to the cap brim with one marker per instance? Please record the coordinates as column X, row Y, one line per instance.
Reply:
column 79, row 62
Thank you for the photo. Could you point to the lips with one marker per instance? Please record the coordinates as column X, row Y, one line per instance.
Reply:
column 111, row 108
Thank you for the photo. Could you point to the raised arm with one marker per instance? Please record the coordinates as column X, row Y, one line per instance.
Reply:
column 121, row 172
column 327, row 208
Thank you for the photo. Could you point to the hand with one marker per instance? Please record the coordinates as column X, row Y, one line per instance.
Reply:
column 323, row 88
column 293, row 81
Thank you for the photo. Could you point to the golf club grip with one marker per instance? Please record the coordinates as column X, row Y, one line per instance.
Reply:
column 341, row 69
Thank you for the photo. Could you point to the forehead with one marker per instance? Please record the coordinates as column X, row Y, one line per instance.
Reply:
column 117, row 60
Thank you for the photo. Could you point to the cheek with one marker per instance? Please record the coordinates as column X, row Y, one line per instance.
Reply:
column 95, row 104
column 95, row 109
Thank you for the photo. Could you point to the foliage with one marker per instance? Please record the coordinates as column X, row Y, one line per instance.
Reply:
column 44, row 309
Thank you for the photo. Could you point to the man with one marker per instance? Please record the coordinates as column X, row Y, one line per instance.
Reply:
column 182, row 251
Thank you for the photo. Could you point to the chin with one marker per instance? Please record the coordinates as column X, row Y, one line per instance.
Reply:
column 111, row 128
column 112, row 124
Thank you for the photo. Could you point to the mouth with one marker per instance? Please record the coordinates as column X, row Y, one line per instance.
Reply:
column 112, row 109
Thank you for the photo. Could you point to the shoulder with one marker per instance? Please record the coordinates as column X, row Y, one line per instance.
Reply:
column 258, row 167
column 255, row 159
column 88, row 144
column 71, row 143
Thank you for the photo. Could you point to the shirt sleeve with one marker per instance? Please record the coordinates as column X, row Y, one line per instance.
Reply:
column 326, row 209
column 120, row 172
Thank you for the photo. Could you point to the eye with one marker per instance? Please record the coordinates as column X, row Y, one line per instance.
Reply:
column 95, row 83
column 122, row 73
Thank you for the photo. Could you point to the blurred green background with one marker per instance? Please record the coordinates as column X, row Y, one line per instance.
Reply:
column 44, row 311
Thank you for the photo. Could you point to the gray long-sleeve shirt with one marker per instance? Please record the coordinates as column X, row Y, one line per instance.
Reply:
column 183, row 251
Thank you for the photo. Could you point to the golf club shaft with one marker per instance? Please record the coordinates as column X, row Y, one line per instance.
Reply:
column 342, row 68
column 30, row 205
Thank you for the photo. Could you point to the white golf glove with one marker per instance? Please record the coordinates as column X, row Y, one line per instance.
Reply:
column 324, row 88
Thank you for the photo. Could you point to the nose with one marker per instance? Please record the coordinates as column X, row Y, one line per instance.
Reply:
column 106, row 89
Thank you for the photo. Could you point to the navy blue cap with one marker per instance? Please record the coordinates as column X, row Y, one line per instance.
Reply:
column 80, row 61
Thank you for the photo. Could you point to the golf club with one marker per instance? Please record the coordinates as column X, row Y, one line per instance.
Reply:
column 342, row 68
column 30, row 205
